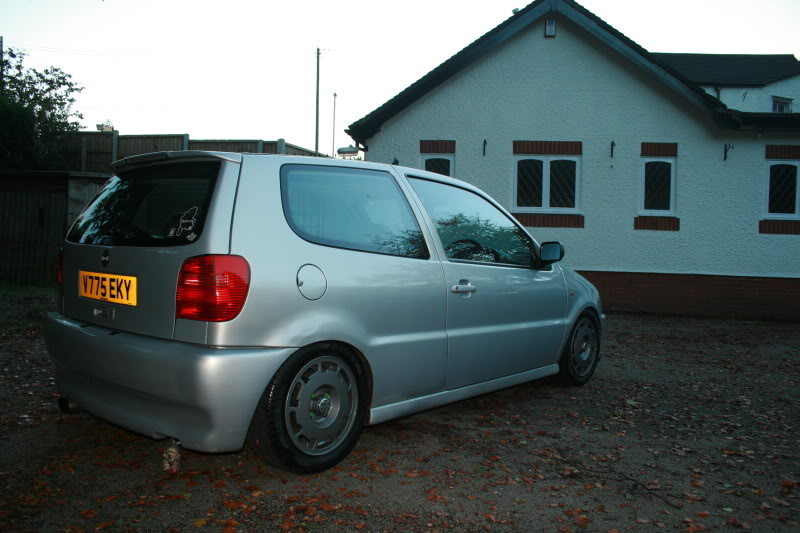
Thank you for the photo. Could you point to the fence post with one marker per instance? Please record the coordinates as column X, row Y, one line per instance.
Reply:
column 281, row 148
column 114, row 141
column 83, row 153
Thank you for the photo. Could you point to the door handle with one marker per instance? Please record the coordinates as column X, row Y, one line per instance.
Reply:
column 463, row 286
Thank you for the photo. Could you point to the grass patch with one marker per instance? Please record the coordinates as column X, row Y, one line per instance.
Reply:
column 22, row 308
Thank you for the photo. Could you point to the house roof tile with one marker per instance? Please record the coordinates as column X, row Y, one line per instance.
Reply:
column 747, row 70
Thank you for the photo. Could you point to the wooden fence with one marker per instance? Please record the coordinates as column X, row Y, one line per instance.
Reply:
column 36, row 208
column 94, row 151
column 32, row 224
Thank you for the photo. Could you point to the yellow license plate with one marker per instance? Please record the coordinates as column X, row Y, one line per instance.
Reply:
column 107, row 287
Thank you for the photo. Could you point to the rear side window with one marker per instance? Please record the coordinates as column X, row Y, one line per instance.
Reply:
column 161, row 205
column 350, row 208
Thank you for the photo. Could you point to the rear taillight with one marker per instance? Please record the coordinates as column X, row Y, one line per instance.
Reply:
column 212, row 288
column 60, row 268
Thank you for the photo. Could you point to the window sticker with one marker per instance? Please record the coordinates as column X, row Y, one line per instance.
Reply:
column 187, row 222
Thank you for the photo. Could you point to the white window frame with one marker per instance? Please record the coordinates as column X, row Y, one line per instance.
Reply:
column 546, row 159
column 782, row 216
column 671, row 212
column 782, row 100
column 450, row 157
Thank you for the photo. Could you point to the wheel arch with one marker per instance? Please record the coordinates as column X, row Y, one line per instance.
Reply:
column 592, row 312
column 362, row 359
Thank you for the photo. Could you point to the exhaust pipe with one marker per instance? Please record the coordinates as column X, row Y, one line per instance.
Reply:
column 68, row 406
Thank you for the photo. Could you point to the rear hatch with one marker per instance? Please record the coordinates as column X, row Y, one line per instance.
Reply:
column 122, row 256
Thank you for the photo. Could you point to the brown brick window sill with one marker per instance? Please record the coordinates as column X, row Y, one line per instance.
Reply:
column 779, row 227
column 542, row 220
column 657, row 223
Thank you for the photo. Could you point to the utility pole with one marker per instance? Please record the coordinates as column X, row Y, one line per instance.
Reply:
column 333, row 137
column 316, row 130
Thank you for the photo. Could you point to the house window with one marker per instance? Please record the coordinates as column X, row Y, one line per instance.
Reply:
column 546, row 183
column 438, row 163
column 658, row 185
column 438, row 156
column 782, row 189
column 781, row 105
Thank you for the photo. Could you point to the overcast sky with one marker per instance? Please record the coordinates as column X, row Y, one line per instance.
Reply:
column 245, row 69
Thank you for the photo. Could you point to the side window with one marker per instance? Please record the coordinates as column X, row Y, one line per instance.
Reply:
column 350, row 208
column 471, row 228
column 546, row 183
column 658, row 185
column 782, row 194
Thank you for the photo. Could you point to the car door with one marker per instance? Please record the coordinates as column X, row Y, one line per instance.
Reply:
column 503, row 315
column 338, row 254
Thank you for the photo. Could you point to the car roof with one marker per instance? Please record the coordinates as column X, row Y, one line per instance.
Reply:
column 235, row 157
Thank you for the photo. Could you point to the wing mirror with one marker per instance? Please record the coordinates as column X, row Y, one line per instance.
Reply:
column 551, row 252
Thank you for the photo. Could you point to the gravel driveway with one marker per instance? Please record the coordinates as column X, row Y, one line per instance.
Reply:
column 689, row 424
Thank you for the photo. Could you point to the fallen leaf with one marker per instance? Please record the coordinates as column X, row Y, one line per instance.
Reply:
column 232, row 504
column 433, row 495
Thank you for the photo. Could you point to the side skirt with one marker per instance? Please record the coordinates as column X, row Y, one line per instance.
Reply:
column 423, row 403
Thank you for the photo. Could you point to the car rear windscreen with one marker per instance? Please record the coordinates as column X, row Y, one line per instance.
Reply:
column 159, row 205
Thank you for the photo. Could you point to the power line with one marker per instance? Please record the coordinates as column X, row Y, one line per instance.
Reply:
column 72, row 51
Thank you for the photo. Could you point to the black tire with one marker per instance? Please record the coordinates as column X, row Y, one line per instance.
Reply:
column 311, row 414
column 581, row 352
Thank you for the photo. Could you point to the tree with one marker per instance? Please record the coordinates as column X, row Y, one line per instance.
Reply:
column 35, row 114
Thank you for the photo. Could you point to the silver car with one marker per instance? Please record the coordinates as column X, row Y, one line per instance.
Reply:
column 285, row 302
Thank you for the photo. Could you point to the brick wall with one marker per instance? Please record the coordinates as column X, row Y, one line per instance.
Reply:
column 544, row 220
column 782, row 151
column 660, row 149
column 437, row 147
column 547, row 147
column 657, row 223
column 779, row 227
column 735, row 296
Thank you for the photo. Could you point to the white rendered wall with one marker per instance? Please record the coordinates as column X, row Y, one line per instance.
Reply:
column 759, row 99
column 572, row 88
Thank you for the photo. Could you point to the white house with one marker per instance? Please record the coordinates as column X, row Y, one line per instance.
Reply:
column 667, row 196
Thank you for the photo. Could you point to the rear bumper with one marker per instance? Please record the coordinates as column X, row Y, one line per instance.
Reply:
column 201, row 395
